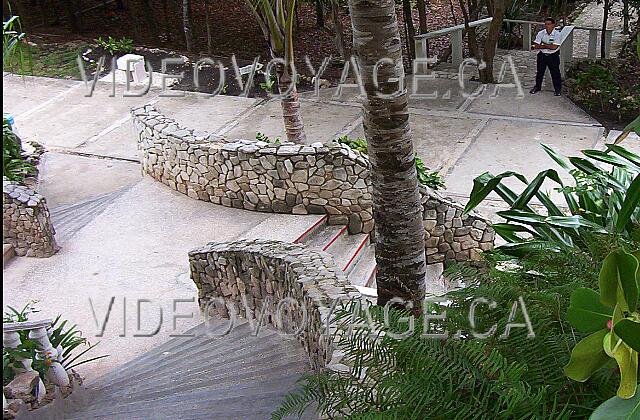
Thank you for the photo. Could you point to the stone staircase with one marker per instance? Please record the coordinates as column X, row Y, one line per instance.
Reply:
column 353, row 254
column 205, row 376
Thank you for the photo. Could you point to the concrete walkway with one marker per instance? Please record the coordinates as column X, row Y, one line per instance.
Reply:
column 135, row 246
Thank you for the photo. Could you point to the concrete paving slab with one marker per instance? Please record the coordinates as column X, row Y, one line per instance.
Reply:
column 438, row 141
column 542, row 105
column 68, row 179
column 449, row 94
column 136, row 249
column 322, row 121
column 75, row 118
column 284, row 227
column 502, row 147
column 23, row 94
column 121, row 143
column 204, row 112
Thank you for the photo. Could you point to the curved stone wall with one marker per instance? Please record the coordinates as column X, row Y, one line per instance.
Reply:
column 263, row 273
column 288, row 178
column 26, row 222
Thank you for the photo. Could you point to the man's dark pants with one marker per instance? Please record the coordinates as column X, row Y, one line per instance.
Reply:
column 553, row 62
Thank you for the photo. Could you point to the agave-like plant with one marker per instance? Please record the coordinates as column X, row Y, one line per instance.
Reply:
column 276, row 18
column 605, row 199
column 15, row 51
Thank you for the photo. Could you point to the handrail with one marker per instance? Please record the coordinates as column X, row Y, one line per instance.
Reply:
column 444, row 31
column 26, row 325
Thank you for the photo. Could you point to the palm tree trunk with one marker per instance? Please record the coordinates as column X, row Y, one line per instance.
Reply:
column 293, row 124
column 397, row 209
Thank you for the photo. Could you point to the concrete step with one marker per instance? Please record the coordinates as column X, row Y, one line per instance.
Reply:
column 347, row 250
column 7, row 253
column 68, row 220
column 362, row 271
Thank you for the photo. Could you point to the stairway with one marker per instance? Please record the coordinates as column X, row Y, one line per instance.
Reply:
column 69, row 219
column 238, row 375
column 353, row 254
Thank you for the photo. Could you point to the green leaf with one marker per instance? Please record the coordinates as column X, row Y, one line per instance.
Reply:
column 621, row 151
column 523, row 248
column 533, row 188
column 605, row 157
column 630, row 204
column 508, row 231
column 587, row 357
column 586, row 313
column 616, row 408
column 483, row 185
column 555, row 156
column 634, row 126
column 629, row 332
column 619, row 272
column 575, row 222
column 627, row 360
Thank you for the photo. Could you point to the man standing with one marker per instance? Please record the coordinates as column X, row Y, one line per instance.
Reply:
column 548, row 42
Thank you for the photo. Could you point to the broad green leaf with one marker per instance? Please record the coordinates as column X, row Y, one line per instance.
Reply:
column 634, row 126
column 629, row 332
column 616, row 408
column 619, row 272
column 555, row 156
column 523, row 248
column 584, row 165
column 533, row 188
column 587, row 357
column 630, row 204
column 586, row 313
column 483, row 185
column 575, row 222
column 627, row 360
column 605, row 157
column 522, row 216
column 621, row 151
column 508, row 231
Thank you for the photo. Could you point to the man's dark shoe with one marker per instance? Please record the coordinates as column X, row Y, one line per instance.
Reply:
column 534, row 91
column 556, row 94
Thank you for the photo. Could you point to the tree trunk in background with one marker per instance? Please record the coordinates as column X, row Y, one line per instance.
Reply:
column 603, row 34
column 165, row 19
column 625, row 17
column 397, row 209
column 70, row 13
column 422, row 15
column 337, row 25
column 319, row 14
column 411, row 29
column 186, row 23
column 293, row 124
column 208, row 25
column 489, row 51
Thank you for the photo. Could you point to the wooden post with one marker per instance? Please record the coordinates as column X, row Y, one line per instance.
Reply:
column 593, row 44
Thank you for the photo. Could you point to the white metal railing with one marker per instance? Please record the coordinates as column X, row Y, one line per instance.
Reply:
column 39, row 331
column 566, row 54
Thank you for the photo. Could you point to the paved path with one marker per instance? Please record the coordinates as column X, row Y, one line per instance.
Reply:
column 134, row 244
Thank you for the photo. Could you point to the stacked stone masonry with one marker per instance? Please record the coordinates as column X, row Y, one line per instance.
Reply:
column 26, row 222
column 319, row 178
column 244, row 277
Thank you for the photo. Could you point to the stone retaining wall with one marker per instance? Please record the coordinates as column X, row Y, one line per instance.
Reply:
column 26, row 222
column 264, row 273
column 288, row 178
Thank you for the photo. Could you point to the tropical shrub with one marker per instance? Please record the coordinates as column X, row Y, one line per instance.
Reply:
column 74, row 345
column 15, row 166
column 115, row 46
column 15, row 50
column 426, row 177
column 467, row 377
column 602, row 201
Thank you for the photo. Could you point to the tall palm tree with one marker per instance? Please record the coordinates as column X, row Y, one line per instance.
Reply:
column 397, row 209
column 276, row 18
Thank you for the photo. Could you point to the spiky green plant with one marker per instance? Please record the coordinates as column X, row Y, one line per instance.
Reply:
column 602, row 201
column 16, row 54
column 463, row 377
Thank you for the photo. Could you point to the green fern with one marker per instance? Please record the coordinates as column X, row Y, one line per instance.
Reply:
column 418, row 378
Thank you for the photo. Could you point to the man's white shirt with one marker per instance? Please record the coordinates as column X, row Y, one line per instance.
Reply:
column 544, row 38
